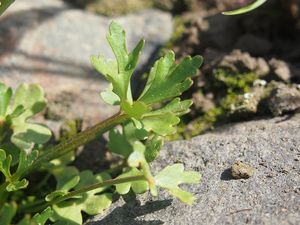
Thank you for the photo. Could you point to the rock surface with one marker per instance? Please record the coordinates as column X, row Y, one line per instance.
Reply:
column 270, row 196
column 50, row 43
column 283, row 99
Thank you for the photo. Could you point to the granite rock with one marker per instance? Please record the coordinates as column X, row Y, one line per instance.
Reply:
column 270, row 196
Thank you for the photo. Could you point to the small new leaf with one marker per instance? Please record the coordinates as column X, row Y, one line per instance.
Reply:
column 24, row 161
column 41, row 218
column 17, row 185
column 5, row 162
column 172, row 176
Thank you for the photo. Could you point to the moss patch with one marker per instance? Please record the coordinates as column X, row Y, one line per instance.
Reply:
column 117, row 7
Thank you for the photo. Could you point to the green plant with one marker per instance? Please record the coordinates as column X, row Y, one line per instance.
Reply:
column 25, row 154
column 245, row 9
column 4, row 4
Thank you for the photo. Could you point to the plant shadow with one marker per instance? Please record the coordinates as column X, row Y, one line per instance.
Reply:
column 128, row 213
column 226, row 175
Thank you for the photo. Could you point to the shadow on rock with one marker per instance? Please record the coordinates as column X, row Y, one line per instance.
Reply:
column 226, row 175
column 128, row 213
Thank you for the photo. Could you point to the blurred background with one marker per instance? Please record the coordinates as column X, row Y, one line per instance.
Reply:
column 251, row 68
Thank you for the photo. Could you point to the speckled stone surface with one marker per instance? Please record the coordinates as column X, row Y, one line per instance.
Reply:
column 50, row 43
column 271, row 196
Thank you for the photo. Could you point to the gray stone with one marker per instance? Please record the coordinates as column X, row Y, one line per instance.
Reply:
column 280, row 69
column 50, row 43
column 242, row 62
column 283, row 99
column 270, row 196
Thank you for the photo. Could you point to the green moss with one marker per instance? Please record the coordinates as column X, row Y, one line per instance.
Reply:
column 234, row 95
column 235, row 81
column 117, row 7
column 203, row 123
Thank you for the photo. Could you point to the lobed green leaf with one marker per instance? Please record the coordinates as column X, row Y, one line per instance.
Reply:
column 41, row 218
column 168, row 80
column 172, row 176
column 5, row 163
column 26, row 135
column 92, row 202
column 17, row 185
column 118, row 72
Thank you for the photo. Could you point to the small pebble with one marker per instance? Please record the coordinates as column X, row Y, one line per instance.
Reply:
column 241, row 170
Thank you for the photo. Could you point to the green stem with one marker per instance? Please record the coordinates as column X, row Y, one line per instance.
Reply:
column 4, row 4
column 74, row 142
column 80, row 191
column 69, row 145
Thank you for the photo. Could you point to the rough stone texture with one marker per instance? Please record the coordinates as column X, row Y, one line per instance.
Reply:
column 50, row 43
column 280, row 69
column 242, row 62
column 283, row 98
column 270, row 196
